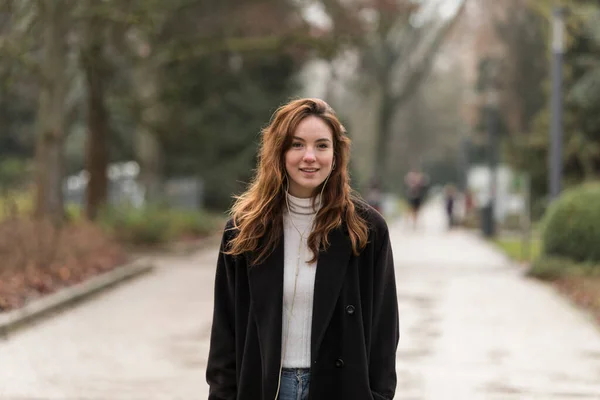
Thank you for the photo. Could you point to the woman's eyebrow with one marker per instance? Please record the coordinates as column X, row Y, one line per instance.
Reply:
column 316, row 141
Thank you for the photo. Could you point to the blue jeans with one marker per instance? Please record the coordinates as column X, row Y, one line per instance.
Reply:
column 294, row 384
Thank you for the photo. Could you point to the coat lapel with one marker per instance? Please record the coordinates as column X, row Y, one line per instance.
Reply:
column 266, row 294
column 331, row 269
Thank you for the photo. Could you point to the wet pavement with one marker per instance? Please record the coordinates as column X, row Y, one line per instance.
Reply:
column 472, row 327
column 147, row 339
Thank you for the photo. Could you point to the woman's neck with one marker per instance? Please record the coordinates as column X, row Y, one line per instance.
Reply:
column 303, row 206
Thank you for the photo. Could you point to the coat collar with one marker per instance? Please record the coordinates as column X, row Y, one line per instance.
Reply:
column 266, row 293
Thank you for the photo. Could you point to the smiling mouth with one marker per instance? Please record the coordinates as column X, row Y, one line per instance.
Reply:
column 309, row 169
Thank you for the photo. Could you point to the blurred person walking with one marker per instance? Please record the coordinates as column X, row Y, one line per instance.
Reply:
column 305, row 295
column 417, row 183
column 449, row 203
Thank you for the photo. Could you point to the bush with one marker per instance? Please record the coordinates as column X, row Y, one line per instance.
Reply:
column 571, row 227
column 155, row 224
column 13, row 172
column 552, row 268
column 192, row 223
column 548, row 268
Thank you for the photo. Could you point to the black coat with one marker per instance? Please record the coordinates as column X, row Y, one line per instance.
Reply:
column 354, row 327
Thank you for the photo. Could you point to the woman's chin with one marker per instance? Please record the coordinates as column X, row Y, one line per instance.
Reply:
column 303, row 191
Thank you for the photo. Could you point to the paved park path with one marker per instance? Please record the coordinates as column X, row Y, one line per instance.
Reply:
column 472, row 327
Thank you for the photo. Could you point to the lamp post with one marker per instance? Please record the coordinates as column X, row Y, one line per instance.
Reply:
column 489, row 219
column 556, row 124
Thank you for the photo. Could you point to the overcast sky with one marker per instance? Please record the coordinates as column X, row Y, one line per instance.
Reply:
column 316, row 15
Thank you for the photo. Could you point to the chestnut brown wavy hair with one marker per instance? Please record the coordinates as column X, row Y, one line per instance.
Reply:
column 257, row 214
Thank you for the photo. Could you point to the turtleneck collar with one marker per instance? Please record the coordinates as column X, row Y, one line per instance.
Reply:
column 300, row 206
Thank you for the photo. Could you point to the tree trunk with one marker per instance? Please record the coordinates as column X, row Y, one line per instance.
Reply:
column 392, row 100
column 96, row 162
column 147, row 144
column 386, row 117
column 415, row 137
column 49, row 147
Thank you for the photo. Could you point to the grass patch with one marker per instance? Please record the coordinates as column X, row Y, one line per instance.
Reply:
column 518, row 249
column 15, row 203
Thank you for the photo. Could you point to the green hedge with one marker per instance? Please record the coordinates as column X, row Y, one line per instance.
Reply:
column 155, row 225
column 571, row 227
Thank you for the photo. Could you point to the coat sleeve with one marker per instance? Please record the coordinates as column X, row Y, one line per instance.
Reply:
column 385, row 325
column 221, row 366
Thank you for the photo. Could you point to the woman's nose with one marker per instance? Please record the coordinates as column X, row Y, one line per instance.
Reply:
column 309, row 155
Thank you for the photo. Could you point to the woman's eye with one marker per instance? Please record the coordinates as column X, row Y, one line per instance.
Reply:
column 323, row 146
column 296, row 144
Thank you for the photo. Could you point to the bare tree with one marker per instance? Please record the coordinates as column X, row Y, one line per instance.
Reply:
column 397, row 49
column 54, row 18
column 96, row 70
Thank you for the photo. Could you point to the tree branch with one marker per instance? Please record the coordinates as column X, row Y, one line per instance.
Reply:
column 419, row 69
column 202, row 47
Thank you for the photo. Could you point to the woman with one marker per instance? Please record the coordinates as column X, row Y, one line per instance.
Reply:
column 305, row 295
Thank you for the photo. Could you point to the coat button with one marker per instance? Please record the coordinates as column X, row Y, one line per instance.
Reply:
column 339, row 363
column 350, row 309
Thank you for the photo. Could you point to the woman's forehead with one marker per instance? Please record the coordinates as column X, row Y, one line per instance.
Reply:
column 313, row 128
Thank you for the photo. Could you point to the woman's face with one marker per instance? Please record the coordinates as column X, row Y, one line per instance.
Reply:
column 309, row 159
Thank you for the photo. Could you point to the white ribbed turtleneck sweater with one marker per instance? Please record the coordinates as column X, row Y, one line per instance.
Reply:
column 296, row 354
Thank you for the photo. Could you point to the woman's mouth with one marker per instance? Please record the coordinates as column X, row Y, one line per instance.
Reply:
column 309, row 171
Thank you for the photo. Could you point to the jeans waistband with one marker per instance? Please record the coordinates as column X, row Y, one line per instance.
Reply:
column 298, row 370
